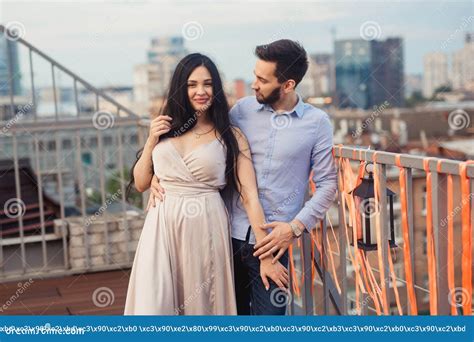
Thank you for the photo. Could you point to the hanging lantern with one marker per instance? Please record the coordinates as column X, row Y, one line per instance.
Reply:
column 367, row 210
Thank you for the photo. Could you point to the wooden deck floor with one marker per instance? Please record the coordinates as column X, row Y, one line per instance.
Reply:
column 101, row 293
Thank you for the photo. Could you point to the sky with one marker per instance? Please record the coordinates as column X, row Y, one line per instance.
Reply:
column 102, row 41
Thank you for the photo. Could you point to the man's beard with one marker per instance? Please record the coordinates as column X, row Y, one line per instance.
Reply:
column 270, row 99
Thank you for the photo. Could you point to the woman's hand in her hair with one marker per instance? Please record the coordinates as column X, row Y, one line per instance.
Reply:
column 158, row 126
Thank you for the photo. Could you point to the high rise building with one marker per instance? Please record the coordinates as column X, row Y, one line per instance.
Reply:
column 320, row 77
column 368, row 73
column 151, row 80
column 353, row 66
column 324, row 73
column 435, row 72
column 6, row 81
column 387, row 72
column 413, row 83
column 463, row 65
column 147, row 82
column 166, row 53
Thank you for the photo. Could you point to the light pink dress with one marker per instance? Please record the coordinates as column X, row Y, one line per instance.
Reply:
column 183, row 262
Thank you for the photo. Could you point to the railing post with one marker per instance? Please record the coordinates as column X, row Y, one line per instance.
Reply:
column 409, row 192
column 384, row 234
column 55, row 97
column 10, row 77
column 307, row 281
column 342, row 272
column 324, row 262
column 101, row 165
column 76, row 100
column 59, row 160
column 40, row 200
column 33, row 90
column 122, row 190
column 440, row 213
column 81, row 185
column 21, row 210
column 291, row 304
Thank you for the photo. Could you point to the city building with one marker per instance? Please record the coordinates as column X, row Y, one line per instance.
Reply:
column 435, row 72
column 413, row 84
column 151, row 79
column 9, row 49
column 463, row 65
column 387, row 72
column 353, row 67
column 319, row 80
column 368, row 73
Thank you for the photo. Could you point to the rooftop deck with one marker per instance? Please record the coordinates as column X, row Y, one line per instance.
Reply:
column 98, row 293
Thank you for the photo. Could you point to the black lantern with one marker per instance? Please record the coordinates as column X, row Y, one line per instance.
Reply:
column 367, row 210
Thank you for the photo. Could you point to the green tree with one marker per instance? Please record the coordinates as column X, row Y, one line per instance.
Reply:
column 113, row 187
column 415, row 99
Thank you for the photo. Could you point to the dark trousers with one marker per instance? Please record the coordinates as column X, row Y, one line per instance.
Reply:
column 252, row 297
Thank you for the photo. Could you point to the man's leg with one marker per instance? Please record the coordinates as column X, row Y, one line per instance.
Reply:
column 241, row 276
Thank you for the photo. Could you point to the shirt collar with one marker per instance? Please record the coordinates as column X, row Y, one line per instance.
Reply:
column 298, row 108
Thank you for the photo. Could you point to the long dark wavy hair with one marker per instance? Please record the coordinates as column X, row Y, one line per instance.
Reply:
column 178, row 106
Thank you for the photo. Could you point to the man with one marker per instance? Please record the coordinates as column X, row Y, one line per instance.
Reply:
column 288, row 139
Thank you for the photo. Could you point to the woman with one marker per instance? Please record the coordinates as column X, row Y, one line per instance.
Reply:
column 183, row 262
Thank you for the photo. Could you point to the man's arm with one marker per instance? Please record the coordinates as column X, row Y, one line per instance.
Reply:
column 325, row 179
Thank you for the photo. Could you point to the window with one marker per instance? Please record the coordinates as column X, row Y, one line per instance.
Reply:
column 93, row 142
column 67, row 144
column 108, row 140
column 86, row 158
column 51, row 145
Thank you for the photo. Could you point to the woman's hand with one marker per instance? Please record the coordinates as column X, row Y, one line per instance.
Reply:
column 276, row 272
column 158, row 126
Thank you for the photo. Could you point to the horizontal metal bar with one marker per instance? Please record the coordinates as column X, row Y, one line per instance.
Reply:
column 406, row 160
column 64, row 124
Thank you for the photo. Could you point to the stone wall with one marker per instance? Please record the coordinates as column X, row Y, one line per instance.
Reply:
column 120, row 242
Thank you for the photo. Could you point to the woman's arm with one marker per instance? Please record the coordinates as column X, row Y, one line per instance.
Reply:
column 254, row 210
column 143, row 170
column 248, row 186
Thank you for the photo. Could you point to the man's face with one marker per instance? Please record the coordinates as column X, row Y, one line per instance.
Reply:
column 266, row 86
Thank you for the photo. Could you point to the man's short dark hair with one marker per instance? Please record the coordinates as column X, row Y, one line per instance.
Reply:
column 290, row 57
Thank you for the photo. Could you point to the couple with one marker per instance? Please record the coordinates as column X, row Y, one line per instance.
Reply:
column 230, row 189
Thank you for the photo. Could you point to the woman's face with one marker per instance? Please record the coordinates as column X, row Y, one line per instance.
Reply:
column 200, row 89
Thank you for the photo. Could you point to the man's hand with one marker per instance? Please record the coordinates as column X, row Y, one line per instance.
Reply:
column 156, row 191
column 279, row 240
column 276, row 272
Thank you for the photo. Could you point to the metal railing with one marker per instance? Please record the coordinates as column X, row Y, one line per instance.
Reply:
column 54, row 67
column 41, row 140
column 338, row 302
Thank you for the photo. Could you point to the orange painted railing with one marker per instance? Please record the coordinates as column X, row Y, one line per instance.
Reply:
column 370, row 283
